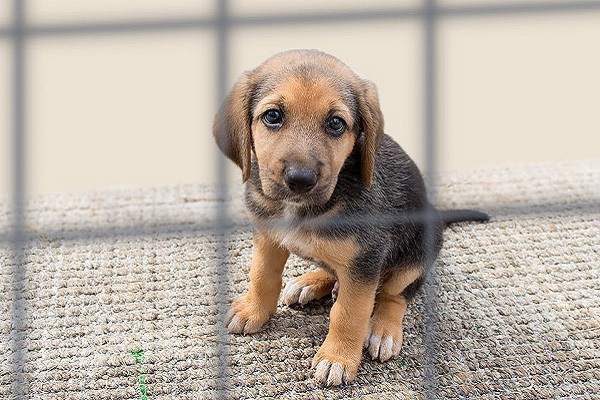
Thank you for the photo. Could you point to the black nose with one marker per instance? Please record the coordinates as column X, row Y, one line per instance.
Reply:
column 299, row 180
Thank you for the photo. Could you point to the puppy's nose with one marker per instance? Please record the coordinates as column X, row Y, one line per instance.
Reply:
column 299, row 180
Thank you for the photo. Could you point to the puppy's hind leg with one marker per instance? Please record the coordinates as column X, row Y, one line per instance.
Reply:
column 339, row 357
column 310, row 286
column 384, row 339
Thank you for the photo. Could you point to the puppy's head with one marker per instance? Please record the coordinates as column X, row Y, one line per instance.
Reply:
column 301, row 112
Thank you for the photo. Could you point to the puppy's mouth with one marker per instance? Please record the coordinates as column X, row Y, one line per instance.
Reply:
column 318, row 195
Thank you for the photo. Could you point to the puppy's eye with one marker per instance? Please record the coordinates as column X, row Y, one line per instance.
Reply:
column 272, row 118
column 336, row 126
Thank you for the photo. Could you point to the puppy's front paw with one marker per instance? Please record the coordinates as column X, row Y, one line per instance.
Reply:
column 245, row 316
column 335, row 365
column 384, row 339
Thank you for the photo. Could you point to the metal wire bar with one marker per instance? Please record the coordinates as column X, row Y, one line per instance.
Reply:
column 430, row 294
column 320, row 17
column 222, row 52
column 115, row 28
column 236, row 225
column 18, row 238
column 522, row 8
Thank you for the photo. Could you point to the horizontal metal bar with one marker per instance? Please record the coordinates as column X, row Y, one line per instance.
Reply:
column 234, row 224
column 321, row 17
column 115, row 27
column 517, row 8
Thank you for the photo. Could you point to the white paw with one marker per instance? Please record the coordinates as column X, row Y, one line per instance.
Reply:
column 242, row 317
column 235, row 322
column 382, row 348
column 332, row 374
column 295, row 292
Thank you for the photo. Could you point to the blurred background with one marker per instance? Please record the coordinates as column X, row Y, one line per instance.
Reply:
column 134, row 108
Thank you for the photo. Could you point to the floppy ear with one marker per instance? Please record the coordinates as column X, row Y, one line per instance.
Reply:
column 371, row 119
column 231, row 127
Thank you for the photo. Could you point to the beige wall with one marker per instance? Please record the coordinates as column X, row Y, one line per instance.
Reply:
column 136, row 109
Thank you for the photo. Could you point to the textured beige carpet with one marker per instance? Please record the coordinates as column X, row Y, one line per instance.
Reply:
column 519, row 298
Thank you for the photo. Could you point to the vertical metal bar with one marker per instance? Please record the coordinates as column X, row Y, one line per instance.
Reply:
column 430, row 142
column 18, row 239
column 222, row 43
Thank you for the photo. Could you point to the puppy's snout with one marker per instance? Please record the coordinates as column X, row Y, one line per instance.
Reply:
column 299, row 180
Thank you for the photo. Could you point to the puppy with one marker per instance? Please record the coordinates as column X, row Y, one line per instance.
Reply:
column 324, row 182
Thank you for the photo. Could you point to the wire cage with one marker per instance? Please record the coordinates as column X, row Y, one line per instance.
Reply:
column 19, row 33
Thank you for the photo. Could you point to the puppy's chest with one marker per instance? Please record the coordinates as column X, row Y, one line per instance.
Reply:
column 331, row 252
column 297, row 240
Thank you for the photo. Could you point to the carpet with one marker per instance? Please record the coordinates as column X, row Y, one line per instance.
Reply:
column 112, row 274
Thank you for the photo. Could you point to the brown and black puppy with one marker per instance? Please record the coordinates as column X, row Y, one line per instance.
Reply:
column 324, row 182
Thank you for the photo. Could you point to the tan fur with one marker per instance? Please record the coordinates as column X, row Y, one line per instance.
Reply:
column 231, row 130
column 320, row 281
column 302, row 140
column 385, row 332
column 347, row 329
column 336, row 254
column 310, row 286
column 398, row 280
column 249, row 313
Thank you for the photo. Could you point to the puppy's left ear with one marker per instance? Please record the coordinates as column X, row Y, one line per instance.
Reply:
column 231, row 127
column 371, row 119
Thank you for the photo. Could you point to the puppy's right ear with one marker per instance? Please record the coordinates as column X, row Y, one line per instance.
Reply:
column 231, row 127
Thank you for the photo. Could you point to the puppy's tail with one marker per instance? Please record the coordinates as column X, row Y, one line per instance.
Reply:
column 454, row 216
